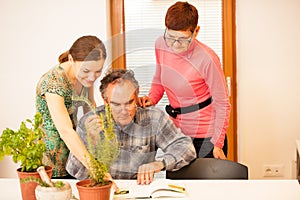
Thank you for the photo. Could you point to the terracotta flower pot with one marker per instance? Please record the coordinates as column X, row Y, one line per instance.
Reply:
column 53, row 193
column 93, row 193
column 28, row 189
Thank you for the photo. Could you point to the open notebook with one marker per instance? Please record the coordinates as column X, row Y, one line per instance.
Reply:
column 157, row 189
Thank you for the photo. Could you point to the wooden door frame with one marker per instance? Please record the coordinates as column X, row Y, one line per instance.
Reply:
column 229, row 67
column 117, row 22
column 229, row 57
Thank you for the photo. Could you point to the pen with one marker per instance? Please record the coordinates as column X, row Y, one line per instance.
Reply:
column 121, row 192
column 176, row 187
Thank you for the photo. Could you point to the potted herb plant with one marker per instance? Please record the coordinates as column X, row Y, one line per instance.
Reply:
column 104, row 150
column 25, row 146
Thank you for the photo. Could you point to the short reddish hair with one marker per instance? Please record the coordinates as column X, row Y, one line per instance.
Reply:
column 182, row 16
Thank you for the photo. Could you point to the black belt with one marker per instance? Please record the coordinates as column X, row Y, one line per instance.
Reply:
column 173, row 112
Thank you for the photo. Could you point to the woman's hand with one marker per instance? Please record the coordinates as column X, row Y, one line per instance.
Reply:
column 145, row 101
column 218, row 153
column 109, row 178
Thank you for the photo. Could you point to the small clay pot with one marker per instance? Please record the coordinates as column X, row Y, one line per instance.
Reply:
column 87, row 192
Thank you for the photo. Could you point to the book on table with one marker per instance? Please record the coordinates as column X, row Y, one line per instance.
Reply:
column 157, row 189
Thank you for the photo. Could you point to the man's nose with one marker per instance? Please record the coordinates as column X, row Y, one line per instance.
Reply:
column 123, row 108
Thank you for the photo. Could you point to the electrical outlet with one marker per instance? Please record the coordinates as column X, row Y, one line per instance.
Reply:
column 273, row 170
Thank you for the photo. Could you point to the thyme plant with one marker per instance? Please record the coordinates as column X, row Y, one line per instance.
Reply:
column 103, row 147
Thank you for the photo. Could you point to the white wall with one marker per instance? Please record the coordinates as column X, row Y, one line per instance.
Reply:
column 34, row 33
column 268, row 69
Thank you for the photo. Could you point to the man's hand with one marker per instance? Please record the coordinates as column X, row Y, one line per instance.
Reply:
column 145, row 101
column 146, row 172
column 93, row 125
column 218, row 153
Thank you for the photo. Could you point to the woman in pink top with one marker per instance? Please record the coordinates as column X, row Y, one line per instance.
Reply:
column 191, row 75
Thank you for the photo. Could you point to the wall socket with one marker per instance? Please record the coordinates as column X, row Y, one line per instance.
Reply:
column 273, row 170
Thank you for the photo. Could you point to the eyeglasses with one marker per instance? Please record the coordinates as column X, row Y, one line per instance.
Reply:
column 117, row 107
column 171, row 41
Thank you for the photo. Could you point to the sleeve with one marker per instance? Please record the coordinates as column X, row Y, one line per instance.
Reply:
column 75, row 168
column 221, row 105
column 178, row 149
column 157, row 90
column 54, row 83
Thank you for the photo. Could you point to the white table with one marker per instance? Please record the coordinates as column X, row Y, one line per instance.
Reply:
column 198, row 189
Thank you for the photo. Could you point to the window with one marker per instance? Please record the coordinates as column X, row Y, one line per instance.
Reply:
column 144, row 22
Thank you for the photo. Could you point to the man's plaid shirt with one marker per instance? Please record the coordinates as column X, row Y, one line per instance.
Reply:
column 151, row 129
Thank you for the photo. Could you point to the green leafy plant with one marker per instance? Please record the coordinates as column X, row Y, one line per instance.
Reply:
column 103, row 148
column 25, row 145
column 57, row 184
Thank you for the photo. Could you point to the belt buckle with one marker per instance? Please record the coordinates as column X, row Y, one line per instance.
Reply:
column 171, row 111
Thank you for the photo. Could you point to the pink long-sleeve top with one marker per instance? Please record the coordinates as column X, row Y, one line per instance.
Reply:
column 190, row 78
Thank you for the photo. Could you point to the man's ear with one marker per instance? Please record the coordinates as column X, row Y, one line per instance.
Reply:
column 136, row 96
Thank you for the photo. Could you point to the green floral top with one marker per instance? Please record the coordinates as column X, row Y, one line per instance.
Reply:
column 56, row 81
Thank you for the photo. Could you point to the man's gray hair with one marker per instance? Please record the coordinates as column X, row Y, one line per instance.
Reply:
column 118, row 76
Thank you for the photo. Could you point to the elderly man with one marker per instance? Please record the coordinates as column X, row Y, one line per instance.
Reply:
column 141, row 131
